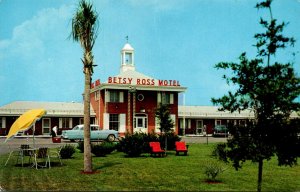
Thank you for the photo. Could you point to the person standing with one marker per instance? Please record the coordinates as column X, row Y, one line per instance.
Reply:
column 54, row 129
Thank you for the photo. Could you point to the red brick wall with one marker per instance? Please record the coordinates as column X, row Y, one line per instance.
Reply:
column 149, row 104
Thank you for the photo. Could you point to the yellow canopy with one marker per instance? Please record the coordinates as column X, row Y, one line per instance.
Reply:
column 25, row 121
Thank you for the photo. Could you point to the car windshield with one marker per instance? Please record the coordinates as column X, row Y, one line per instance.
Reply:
column 94, row 128
column 78, row 127
column 220, row 128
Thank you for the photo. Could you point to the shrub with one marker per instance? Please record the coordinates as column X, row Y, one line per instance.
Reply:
column 149, row 138
column 220, row 152
column 80, row 146
column 118, row 146
column 136, row 144
column 171, row 139
column 67, row 151
column 102, row 149
column 213, row 169
column 133, row 144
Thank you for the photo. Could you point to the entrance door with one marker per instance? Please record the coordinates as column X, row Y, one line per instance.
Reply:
column 199, row 128
column 46, row 126
column 141, row 123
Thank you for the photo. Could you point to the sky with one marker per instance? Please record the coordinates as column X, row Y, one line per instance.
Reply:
column 173, row 39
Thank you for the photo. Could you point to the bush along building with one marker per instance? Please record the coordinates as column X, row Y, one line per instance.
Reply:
column 127, row 102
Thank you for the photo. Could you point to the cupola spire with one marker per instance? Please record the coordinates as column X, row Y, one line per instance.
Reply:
column 127, row 57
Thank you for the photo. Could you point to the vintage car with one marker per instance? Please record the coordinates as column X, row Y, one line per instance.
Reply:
column 96, row 134
column 220, row 130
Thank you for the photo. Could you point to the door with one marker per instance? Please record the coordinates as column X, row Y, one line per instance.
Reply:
column 46, row 126
column 141, row 123
column 199, row 127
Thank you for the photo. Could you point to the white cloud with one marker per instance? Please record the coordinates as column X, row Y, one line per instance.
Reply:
column 39, row 51
column 30, row 39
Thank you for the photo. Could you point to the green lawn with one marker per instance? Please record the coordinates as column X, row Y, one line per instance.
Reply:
column 171, row 173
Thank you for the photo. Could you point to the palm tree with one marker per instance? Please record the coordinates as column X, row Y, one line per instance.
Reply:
column 84, row 30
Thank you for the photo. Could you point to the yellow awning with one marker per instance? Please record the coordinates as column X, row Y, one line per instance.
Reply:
column 25, row 121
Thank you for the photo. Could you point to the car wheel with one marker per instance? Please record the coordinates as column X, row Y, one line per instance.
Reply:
column 111, row 138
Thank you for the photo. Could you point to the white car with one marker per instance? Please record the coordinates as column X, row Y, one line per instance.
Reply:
column 96, row 133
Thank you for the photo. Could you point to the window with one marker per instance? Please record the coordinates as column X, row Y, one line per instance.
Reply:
column 128, row 58
column 116, row 97
column 187, row 122
column 114, row 122
column 46, row 125
column 65, row 122
column 97, row 95
column 165, row 98
column 2, row 122
column 94, row 128
column 218, row 122
column 81, row 121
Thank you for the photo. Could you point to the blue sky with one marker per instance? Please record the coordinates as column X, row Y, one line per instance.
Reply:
column 173, row 39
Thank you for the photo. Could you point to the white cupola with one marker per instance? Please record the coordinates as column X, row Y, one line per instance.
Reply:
column 127, row 58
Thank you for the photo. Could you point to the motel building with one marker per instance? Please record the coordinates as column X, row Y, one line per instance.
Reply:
column 126, row 103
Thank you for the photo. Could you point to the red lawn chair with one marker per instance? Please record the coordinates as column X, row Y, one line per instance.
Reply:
column 181, row 147
column 155, row 149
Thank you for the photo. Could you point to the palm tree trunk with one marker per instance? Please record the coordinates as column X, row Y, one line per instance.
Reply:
column 260, row 171
column 87, row 139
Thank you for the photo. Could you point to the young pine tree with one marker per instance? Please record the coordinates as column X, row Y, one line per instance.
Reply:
column 269, row 89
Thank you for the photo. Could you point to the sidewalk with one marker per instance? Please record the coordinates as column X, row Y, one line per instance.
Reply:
column 202, row 139
column 16, row 142
column 46, row 141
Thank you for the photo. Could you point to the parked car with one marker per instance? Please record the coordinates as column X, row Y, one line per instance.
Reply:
column 96, row 134
column 220, row 130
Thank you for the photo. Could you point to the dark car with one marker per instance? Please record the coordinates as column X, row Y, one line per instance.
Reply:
column 221, row 130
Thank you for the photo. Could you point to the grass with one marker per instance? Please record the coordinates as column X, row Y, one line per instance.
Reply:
column 172, row 173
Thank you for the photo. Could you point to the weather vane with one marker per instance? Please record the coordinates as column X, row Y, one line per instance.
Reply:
column 126, row 38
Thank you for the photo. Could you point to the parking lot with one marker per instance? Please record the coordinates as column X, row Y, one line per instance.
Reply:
column 47, row 142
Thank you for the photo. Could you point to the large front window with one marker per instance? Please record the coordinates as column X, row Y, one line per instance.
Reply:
column 114, row 122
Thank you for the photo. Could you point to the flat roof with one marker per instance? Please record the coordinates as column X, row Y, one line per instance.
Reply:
column 206, row 112
column 67, row 109
column 211, row 112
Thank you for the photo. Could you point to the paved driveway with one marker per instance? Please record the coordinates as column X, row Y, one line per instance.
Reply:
column 47, row 142
column 17, row 141
column 202, row 139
